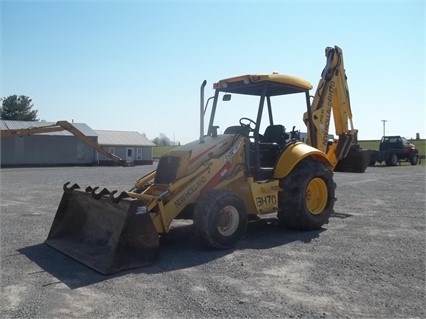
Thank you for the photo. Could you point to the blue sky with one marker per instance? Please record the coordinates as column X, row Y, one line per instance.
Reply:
column 138, row 65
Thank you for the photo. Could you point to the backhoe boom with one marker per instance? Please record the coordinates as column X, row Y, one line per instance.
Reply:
column 331, row 99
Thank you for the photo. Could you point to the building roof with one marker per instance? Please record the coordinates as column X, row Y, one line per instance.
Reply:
column 18, row 125
column 117, row 138
column 122, row 138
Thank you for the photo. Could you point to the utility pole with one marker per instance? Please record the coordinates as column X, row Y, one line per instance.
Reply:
column 384, row 127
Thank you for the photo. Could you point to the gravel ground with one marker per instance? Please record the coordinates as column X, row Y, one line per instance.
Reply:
column 368, row 262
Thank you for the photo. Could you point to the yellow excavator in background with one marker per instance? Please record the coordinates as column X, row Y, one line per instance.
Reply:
column 63, row 126
column 221, row 181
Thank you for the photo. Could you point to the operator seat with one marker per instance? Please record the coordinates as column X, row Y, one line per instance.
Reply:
column 274, row 134
column 271, row 144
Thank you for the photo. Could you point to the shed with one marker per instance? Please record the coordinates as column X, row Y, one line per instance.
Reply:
column 129, row 145
column 46, row 149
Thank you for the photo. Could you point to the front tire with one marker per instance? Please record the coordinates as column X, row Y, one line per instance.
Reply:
column 220, row 219
column 307, row 197
column 414, row 159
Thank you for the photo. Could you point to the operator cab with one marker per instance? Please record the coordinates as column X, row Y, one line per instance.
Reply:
column 265, row 150
column 267, row 139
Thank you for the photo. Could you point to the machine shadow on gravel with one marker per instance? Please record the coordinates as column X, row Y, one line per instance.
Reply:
column 179, row 250
column 67, row 270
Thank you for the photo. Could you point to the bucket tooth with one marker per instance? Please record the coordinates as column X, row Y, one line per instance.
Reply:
column 88, row 189
column 100, row 194
column 73, row 187
column 117, row 199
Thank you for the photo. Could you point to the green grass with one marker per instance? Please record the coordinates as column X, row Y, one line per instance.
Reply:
column 157, row 151
column 369, row 145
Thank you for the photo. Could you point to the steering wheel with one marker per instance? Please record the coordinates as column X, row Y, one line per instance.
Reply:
column 248, row 125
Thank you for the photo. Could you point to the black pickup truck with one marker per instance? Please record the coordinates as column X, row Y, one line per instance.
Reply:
column 394, row 149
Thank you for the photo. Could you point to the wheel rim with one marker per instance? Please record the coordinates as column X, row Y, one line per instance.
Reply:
column 316, row 196
column 228, row 221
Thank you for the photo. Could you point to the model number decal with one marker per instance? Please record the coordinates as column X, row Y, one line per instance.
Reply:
column 232, row 152
column 267, row 200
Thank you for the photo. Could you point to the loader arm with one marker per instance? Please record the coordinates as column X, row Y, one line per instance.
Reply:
column 61, row 126
column 332, row 95
column 70, row 128
column 31, row 131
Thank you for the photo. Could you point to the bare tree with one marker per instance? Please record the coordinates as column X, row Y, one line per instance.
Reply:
column 162, row 140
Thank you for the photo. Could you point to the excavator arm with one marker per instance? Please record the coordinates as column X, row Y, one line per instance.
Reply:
column 61, row 126
column 331, row 100
column 22, row 132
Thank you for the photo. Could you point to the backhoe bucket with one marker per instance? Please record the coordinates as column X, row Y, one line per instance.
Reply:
column 356, row 160
column 102, row 234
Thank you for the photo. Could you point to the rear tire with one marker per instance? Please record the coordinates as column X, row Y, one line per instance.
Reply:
column 307, row 197
column 392, row 161
column 220, row 219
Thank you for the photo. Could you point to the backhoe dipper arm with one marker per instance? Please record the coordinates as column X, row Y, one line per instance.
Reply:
column 332, row 94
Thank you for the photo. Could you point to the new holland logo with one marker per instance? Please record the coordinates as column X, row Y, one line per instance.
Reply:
column 190, row 191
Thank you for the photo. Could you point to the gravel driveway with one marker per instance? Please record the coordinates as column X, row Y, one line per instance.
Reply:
column 368, row 262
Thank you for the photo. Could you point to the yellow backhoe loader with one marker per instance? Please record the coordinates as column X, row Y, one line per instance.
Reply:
column 222, row 180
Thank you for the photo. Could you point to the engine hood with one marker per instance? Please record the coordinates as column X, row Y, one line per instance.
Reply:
column 185, row 159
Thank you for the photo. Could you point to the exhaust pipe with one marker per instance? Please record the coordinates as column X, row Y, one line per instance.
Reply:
column 203, row 85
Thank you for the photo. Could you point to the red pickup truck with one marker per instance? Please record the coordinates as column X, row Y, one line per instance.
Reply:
column 394, row 149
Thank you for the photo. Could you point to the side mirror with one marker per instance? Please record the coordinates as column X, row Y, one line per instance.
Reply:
column 227, row 97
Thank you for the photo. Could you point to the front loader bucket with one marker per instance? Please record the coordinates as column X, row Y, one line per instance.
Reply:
column 356, row 161
column 104, row 235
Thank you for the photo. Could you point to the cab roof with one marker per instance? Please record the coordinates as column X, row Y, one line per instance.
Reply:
column 254, row 84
